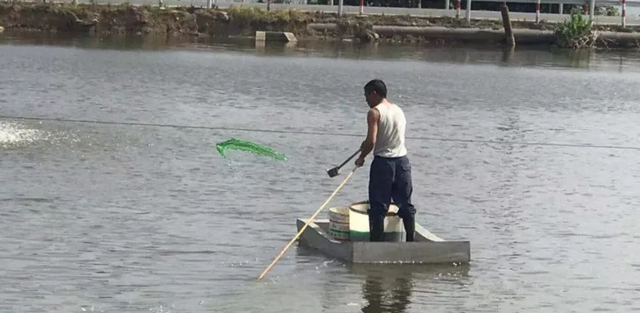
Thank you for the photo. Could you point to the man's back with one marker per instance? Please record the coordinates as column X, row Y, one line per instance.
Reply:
column 391, row 129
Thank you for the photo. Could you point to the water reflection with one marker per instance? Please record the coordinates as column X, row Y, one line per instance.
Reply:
column 520, row 56
column 391, row 287
column 380, row 299
column 507, row 55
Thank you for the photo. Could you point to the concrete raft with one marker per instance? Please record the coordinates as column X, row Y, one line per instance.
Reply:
column 427, row 249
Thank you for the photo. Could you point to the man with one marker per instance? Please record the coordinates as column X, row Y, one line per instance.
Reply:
column 390, row 173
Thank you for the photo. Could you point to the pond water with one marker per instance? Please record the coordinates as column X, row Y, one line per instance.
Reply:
column 115, row 199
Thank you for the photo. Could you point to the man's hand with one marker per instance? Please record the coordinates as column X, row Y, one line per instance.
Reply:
column 360, row 162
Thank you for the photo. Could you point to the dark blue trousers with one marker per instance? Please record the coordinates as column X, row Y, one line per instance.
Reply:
column 390, row 179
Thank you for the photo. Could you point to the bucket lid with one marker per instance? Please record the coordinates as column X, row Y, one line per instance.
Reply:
column 362, row 207
column 339, row 210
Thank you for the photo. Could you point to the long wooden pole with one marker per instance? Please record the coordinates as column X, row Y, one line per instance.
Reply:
column 306, row 224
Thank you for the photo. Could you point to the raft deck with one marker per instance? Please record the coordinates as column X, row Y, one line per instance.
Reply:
column 426, row 249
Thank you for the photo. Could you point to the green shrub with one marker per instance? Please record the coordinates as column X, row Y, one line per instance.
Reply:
column 576, row 33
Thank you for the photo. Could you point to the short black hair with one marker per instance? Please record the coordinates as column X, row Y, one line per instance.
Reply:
column 378, row 86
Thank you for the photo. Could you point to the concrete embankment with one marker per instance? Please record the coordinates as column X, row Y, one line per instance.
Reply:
column 490, row 36
column 471, row 35
column 249, row 21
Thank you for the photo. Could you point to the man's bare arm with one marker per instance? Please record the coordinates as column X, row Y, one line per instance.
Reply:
column 372, row 121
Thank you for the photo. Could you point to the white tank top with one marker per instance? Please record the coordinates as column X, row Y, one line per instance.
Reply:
column 391, row 128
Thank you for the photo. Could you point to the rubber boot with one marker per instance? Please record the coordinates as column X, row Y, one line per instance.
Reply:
column 409, row 227
column 376, row 228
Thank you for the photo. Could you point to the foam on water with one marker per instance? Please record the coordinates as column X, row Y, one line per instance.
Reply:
column 15, row 134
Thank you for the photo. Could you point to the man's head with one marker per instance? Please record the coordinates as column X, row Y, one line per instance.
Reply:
column 375, row 91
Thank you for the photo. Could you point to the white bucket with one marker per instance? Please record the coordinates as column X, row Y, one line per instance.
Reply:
column 359, row 223
column 339, row 223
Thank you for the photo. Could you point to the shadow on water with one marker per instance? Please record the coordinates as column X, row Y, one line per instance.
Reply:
column 613, row 60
